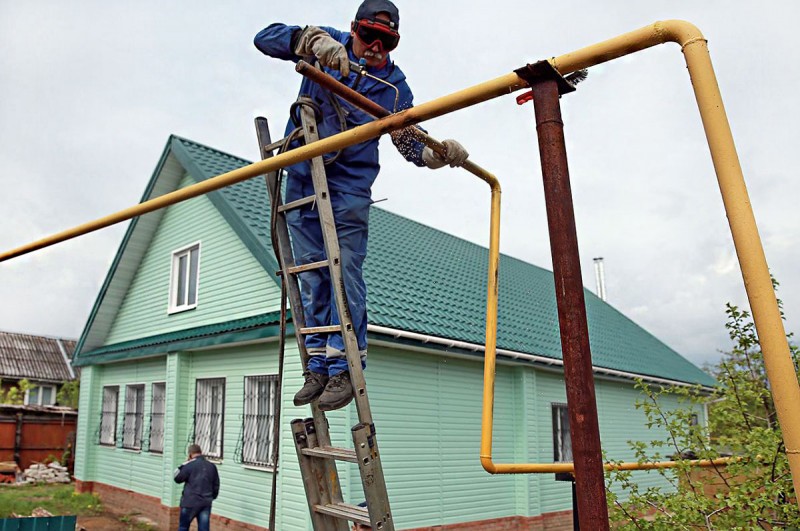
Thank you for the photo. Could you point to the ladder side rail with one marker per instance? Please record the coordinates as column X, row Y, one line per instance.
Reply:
column 371, row 471
column 292, row 287
column 284, row 246
column 374, row 483
column 320, row 477
column 315, row 481
column 334, row 259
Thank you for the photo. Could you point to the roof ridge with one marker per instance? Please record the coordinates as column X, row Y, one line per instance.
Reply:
column 205, row 146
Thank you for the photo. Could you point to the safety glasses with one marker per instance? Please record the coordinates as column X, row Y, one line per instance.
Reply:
column 372, row 32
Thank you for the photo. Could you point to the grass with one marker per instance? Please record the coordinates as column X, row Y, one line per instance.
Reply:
column 59, row 499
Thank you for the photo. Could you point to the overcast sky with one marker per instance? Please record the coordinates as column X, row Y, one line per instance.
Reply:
column 91, row 90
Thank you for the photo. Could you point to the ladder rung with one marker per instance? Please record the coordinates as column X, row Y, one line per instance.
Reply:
column 331, row 452
column 345, row 511
column 307, row 267
column 297, row 204
column 320, row 329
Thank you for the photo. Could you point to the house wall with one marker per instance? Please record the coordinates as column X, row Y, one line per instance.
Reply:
column 620, row 421
column 224, row 293
column 427, row 410
column 245, row 491
column 135, row 470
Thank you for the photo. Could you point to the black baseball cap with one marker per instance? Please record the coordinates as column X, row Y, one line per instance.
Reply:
column 370, row 8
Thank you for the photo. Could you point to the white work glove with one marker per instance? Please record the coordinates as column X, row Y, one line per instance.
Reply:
column 456, row 155
column 330, row 52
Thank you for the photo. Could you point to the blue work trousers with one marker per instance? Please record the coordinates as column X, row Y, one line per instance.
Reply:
column 190, row 513
column 351, row 212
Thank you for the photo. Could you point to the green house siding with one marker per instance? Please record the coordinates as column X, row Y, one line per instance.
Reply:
column 139, row 471
column 224, row 292
column 427, row 412
column 621, row 422
column 175, row 433
column 84, row 463
column 245, row 492
column 427, row 409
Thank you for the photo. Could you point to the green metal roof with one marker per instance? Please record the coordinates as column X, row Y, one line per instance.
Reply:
column 424, row 280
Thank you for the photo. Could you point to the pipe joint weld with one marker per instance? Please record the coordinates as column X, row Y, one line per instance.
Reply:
column 692, row 41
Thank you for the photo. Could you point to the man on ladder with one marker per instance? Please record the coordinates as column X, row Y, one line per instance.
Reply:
column 350, row 174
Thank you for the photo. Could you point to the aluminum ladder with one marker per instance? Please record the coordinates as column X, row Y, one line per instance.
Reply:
column 316, row 455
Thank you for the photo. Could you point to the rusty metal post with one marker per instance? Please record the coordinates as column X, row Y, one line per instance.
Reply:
column 584, row 429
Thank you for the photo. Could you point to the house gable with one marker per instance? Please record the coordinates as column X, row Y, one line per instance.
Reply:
column 133, row 301
column 224, row 292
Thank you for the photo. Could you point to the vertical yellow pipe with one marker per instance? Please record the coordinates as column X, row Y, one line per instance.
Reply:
column 490, row 352
column 750, row 251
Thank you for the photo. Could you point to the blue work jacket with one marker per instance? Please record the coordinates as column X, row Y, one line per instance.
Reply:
column 202, row 482
column 357, row 166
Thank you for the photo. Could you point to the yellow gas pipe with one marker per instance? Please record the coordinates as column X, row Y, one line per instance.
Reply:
column 758, row 284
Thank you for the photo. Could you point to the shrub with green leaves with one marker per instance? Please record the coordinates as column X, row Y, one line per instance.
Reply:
column 14, row 395
column 754, row 491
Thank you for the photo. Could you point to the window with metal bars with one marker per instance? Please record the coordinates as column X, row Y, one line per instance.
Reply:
column 108, row 415
column 260, row 404
column 134, row 417
column 562, row 444
column 209, row 412
column 157, row 411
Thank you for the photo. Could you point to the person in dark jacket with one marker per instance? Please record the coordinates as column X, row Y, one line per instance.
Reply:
column 373, row 34
column 202, row 487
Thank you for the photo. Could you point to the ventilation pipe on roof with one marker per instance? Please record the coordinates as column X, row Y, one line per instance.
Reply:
column 600, row 278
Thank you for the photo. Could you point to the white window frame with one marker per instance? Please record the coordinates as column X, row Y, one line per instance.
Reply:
column 133, row 420
column 175, row 305
column 562, row 443
column 108, row 416
column 158, row 415
column 259, row 417
column 209, row 416
column 39, row 395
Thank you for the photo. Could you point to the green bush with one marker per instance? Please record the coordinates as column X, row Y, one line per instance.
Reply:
column 755, row 490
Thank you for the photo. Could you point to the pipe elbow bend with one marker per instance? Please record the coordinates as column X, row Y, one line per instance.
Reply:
column 488, row 465
column 679, row 31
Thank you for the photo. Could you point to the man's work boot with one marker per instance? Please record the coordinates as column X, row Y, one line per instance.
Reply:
column 315, row 384
column 338, row 393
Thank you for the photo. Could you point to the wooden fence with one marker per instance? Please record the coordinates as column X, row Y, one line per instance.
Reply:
column 36, row 434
